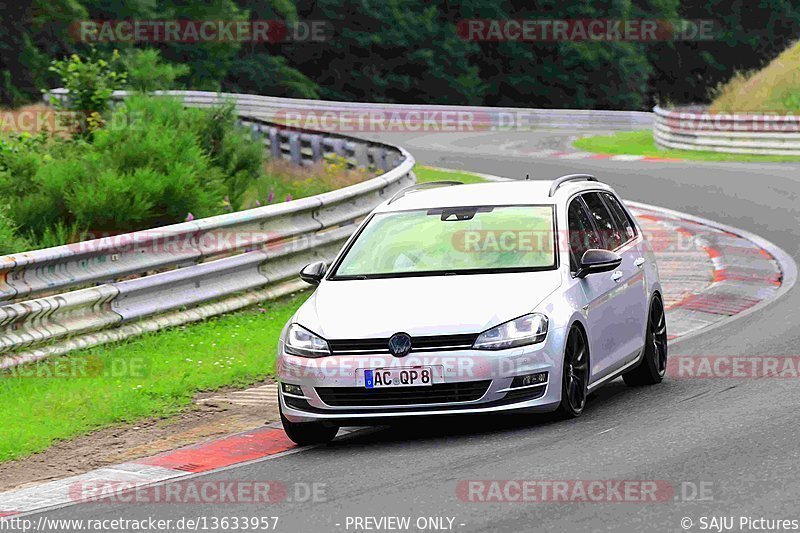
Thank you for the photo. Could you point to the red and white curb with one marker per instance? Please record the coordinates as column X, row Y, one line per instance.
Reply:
column 711, row 274
column 171, row 465
column 569, row 153
column 214, row 455
column 561, row 154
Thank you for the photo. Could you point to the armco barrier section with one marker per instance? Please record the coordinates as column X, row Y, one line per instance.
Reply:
column 378, row 118
column 33, row 321
column 690, row 128
column 66, row 292
column 355, row 117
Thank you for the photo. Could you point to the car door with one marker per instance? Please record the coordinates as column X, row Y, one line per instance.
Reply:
column 632, row 249
column 598, row 289
column 617, row 309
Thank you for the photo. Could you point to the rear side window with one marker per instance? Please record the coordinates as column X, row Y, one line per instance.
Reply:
column 622, row 219
column 582, row 234
column 609, row 230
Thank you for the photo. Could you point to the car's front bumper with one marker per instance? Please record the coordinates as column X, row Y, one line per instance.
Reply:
column 338, row 377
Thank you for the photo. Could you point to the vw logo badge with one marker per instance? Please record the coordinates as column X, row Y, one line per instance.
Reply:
column 400, row 344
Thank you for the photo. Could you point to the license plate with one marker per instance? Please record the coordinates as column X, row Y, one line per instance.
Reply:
column 381, row 378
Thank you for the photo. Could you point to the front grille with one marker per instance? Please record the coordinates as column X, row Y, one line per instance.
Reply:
column 439, row 393
column 432, row 343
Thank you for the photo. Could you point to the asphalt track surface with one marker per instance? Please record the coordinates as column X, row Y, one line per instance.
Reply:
column 739, row 437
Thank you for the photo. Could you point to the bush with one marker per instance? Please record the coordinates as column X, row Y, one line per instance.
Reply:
column 146, row 70
column 232, row 148
column 42, row 203
column 10, row 241
column 20, row 155
column 153, row 163
column 90, row 83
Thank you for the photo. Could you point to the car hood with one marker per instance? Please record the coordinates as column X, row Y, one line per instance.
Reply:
column 429, row 305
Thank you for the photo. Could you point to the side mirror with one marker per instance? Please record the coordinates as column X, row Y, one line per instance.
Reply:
column 314, row 272
column 594, row 261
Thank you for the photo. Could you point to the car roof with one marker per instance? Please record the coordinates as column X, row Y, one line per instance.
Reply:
column 512, row 192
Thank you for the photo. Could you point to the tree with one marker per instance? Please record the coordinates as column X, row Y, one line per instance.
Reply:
column 388, row 51
column 262, row 67
column 31, row 33
column 587, row 74
column 146, row 70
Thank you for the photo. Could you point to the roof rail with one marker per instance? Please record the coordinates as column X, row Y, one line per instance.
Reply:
column 418, row 186
column 558, row 182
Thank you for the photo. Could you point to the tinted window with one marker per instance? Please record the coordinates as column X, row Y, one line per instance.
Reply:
column 582, row 234
column 609, row 231
column 620, row 216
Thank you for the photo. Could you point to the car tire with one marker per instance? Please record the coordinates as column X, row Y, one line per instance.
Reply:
column 574, row 375
column 305, row 433
column 653, row 366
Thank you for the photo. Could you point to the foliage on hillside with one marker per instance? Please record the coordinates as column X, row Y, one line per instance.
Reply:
column 775, row 88
column 410, row 51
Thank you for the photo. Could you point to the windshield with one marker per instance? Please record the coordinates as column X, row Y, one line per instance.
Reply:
column 452, row 240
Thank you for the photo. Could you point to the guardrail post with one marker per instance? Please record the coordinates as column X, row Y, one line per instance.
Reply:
column 256, row 131
column 358, row 153
column 274, row 143
column 384, row 158
column 316, row 147
column 294, row 149
column 338, row 147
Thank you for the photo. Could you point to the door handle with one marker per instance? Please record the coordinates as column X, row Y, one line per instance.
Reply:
column 616, row 276
column 639, row 262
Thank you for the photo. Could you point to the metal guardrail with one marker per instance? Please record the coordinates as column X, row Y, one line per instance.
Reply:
column 355, row 117
column 67, row 292
column 380, row 118
column 691, row 128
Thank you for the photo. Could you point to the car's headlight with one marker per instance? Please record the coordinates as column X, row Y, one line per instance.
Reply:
column 300, row 341
column 528, row 329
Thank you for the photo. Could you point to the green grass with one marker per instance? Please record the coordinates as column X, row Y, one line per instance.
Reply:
column 283, row 181
column 152, row 376
column 155, row 375
column 425, row 174
column 641, row 143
